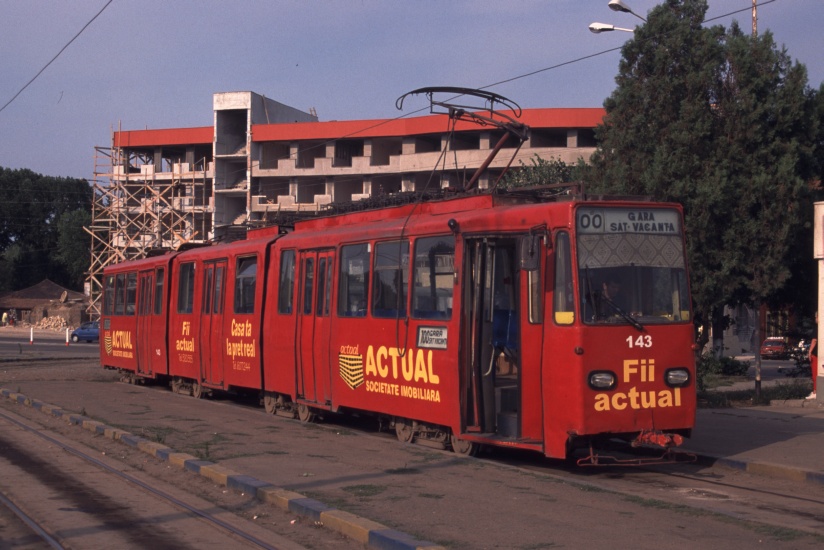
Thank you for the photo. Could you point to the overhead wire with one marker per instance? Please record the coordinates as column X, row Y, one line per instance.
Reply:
column 56, row 56
column 512, row 79
column 390, row 120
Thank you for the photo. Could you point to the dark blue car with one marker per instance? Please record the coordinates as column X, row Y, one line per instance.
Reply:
column 89, row 332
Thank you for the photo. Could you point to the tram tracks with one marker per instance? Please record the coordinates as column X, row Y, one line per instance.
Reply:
column 774, row 504
column 788, row 504
column 22, row 538
column 74, row 499
column 781, row 504
column 765, row 502
column 632, row 485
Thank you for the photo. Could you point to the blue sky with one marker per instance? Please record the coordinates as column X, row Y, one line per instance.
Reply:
column 156, row 63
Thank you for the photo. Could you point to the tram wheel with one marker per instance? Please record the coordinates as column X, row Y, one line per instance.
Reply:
column 464, row 447
column 403, row 429
column 197, row 390
column 305, row 413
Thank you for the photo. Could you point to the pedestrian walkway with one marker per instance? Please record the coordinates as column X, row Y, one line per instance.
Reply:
column 785, row 440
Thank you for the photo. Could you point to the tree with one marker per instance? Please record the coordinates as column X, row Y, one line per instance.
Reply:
column 73, row 245
column 541, row 171
column 718, row 121
column 35, row 210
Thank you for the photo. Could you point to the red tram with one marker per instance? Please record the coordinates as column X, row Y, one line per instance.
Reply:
column 486, row 319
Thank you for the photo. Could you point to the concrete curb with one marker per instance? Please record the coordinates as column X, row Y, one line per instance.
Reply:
column 365, row 531
column 800, row 403
column 766, row 469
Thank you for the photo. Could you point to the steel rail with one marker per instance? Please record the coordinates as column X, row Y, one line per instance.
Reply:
column 146, row 487
column 31, row 523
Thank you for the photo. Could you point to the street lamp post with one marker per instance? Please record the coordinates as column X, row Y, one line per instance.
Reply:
column 614, row 5
column 603, row 27
column 618, row 5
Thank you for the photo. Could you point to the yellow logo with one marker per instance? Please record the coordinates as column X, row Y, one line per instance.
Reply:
column 351, row 369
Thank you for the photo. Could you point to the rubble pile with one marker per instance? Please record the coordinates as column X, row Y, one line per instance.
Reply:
column 52, row 323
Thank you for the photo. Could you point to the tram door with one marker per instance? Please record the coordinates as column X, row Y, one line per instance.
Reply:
column 211, row 322
column 314, row 377
column 145, row 289
column 490, row 377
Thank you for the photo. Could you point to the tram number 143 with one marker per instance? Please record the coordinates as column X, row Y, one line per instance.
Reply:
column 642, row 341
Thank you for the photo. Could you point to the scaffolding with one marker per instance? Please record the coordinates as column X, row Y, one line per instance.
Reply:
column 144, row 204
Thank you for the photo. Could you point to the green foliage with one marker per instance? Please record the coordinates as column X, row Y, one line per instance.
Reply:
column 541, row 171
column 782, row 391
column 725, row 124
column 41, row 229
column 73, row 244
column 708, row 366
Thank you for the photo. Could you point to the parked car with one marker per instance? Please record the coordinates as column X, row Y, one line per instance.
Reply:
column 89, row 332
column 775, row 347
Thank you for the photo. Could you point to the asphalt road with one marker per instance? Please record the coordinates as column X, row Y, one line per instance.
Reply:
column 23, row 344
column 770, row 369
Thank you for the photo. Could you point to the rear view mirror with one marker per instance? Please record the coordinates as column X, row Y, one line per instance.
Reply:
column 529, row 252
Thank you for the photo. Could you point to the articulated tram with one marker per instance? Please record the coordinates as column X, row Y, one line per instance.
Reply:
column 487, row 319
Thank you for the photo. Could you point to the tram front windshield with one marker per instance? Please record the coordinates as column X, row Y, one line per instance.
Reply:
column 631, row 266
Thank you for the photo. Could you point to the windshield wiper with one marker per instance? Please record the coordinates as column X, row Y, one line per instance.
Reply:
column 629, row 318
column 591, row 294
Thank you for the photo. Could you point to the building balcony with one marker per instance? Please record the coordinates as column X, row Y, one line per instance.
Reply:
column 418, row 162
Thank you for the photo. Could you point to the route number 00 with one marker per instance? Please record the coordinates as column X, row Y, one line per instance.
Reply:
column 591, row 221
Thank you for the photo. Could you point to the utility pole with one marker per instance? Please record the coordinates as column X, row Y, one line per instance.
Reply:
column 757, row 399
column 754, row 18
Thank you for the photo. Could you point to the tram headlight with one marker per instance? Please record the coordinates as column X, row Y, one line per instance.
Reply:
column 602, row 380
column 677, row 377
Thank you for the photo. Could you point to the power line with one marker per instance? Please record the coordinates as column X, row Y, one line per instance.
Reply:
column 514, row 78
column 56, row 56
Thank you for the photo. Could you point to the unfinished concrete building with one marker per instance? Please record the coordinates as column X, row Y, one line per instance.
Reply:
column 168, row 188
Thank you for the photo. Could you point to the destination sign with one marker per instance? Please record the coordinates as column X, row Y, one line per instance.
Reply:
column 659, row 221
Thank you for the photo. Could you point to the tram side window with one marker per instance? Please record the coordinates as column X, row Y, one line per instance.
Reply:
column 564, row 301
column 328, row 290
column 245, row 285
column 186, row 288
column 308, row 284
column 108, row 295
column 536, row 296
column 144, row 305
column 217, row 306
column 131, row 293
column 120, row 294
column 324, row 289
column 286, row 285
column 158, row 297
column 206, row 302
column 354, row 280
column 434, row 277
column 391, row 280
